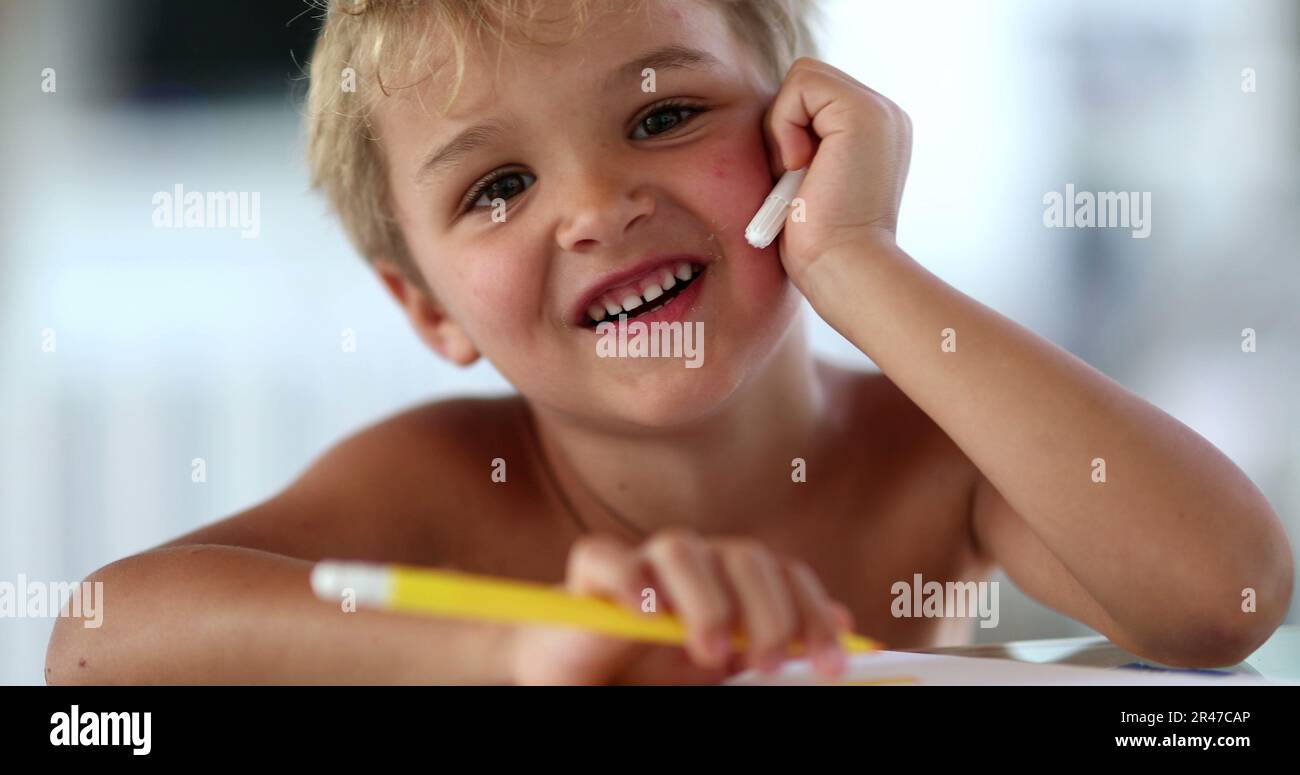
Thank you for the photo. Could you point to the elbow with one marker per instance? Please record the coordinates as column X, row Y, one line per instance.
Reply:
column 1214, row 645
column 1241, row 603
column 1234, row 619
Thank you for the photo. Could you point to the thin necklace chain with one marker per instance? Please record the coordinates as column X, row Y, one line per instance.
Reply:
column 535, row 437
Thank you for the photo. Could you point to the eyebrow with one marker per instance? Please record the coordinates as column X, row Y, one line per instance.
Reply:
column 662, row 58
column 470, row 140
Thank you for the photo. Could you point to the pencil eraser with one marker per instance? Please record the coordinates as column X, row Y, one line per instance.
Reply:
column 369, row 584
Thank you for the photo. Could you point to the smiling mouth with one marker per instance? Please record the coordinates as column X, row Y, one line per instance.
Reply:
column 642, row 306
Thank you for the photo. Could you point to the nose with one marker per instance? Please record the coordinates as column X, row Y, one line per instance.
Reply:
column 602, row 209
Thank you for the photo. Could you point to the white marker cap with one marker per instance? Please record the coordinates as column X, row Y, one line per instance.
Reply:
column 770, row 218
column 370, row 584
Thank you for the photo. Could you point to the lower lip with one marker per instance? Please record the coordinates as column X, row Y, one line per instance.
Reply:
column 676, row 309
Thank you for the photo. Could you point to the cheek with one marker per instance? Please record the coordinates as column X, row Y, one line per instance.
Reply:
column 730, row 185
column 490, row 291
column 731, row 188
column 476, row 279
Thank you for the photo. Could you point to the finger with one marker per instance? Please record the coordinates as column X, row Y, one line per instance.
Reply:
column 770, row 618
column 684, row 565
column 791, row 123
column 833, row 71
column 819, row 618
column 774, row 152
column 604, row 566
column 843, row 617
column 774, row 162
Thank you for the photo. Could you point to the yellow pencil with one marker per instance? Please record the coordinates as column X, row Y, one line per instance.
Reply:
column 409, row 589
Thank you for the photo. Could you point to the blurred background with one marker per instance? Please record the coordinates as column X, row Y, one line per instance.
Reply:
column 128, row 351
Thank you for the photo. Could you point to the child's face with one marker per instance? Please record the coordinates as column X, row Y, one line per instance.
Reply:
column 592, row 189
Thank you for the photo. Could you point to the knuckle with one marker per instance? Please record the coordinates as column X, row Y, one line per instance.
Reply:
column 802, row 74
column 886, row 105
column 677, row 533
column 803, row 576
column 749, row 551
column 581, row 552
column 897, row 114
column 600, row 561
column 672, row 545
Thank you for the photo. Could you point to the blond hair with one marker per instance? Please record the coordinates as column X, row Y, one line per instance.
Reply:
column 375, row 46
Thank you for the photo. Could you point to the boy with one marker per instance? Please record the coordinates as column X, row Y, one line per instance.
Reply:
column 603, row 162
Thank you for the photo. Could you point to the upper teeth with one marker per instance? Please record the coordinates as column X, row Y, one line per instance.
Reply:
column 652, row 290
column 668, row 280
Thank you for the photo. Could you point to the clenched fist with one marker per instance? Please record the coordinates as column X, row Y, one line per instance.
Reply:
column 857, row 145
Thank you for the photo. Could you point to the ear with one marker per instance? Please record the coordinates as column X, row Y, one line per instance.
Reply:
column 442, row 334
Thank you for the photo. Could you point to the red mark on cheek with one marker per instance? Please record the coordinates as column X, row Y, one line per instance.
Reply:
column 719, row 173
column 81, row 663
column 676, row 14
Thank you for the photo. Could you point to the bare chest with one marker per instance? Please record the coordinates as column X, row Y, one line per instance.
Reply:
column 869, row 543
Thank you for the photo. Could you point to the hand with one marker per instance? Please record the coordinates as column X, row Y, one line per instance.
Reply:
column 716, row 587
column 859, row 145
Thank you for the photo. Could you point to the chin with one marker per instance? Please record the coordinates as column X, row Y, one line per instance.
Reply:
column 667, row 395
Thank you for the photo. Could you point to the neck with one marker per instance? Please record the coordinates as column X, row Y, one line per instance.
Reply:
column 716, row 475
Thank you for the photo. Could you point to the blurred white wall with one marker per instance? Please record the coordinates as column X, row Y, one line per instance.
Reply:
column 175, row 345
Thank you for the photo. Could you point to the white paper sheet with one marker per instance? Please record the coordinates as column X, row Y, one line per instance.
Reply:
column 907, row 668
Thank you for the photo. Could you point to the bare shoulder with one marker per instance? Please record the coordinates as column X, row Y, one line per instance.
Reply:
column 382, row 492
column 421, row 446
column 870, row 397
column 894, row 435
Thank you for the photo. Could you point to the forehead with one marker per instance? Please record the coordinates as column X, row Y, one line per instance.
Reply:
column 554, row 56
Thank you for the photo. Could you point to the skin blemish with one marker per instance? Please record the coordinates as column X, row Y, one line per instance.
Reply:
column 81, row 662
column 677, row 15
column 719, row 173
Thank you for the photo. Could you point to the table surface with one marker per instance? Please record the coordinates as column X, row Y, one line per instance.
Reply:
column 1277, row 660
